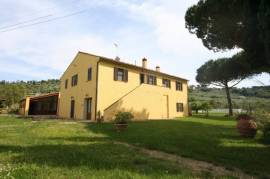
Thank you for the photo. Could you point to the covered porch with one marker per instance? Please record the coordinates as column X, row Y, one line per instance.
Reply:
column 46, row 104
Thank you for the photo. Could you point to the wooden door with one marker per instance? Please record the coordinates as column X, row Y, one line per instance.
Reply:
column 88, row 107
column 72, row 108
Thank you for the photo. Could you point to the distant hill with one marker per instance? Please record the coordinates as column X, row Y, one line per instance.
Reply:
column 255, row 97
column 13, row 92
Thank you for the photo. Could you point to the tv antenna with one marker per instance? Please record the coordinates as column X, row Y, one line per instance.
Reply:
column 116, row 51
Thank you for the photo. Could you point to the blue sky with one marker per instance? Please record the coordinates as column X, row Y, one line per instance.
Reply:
column 154, row 29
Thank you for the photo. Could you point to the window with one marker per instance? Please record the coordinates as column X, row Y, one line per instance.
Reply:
column 120, row 74
column 89, row 74
column 179, row 107
column 142, row 78
column 151, row 80
column 179, row 86
column 74, row 80
column 166, row 83
column 66, row 83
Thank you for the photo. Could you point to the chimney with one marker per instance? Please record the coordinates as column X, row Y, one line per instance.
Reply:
column 117, row 58
column 144, row 63
column 158, row 68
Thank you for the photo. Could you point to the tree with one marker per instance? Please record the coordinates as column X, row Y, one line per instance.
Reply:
column 222, row 73
column 196, row 106
column 13, row 92
column 229, row 24
column 206, row 106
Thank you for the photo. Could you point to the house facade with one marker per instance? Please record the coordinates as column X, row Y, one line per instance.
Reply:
column 95, row 86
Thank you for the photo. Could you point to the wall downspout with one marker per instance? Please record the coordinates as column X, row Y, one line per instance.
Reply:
column 96, row 89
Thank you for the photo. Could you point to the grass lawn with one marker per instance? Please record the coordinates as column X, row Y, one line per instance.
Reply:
column 212, row 139
column 57, row 149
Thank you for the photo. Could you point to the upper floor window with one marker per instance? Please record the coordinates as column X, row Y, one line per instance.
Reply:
column 152, row 80
column 66, row 83
column 74, row 80
column 166, row 83
column 89, row 74
column 179, row 107
column 120, row 74
column 179, row 86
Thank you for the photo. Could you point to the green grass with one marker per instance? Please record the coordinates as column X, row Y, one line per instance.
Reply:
column 57, row 149
column 212, row 139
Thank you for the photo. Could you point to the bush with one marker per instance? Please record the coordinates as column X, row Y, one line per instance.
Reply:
column 14, row 109
column 263, row 120
column 123, row 117
column 266, row 133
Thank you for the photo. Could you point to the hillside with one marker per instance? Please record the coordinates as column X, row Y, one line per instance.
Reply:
column 13, row 92
column 255, row 97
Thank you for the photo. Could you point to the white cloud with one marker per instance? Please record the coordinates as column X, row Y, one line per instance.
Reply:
column 154, row 29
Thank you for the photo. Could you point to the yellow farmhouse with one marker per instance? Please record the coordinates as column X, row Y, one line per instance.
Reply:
column 95, row 87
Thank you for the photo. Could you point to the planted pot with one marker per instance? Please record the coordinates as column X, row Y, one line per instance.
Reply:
column 121, row 126
column 246, row 126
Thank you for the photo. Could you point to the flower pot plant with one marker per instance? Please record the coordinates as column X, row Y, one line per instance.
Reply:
column 246, row 125
column 121, row 120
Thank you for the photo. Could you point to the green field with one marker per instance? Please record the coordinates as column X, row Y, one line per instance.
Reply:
column 57, row 149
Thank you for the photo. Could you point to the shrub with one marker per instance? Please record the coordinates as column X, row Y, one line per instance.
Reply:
column 14, row 109
column 123, row 117
column 100, row 118
column 266, row 133
column 263, row 120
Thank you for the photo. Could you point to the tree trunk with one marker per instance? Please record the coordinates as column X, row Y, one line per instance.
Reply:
column 229, row 99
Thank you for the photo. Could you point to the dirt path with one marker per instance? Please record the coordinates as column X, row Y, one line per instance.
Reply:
column 195, row 165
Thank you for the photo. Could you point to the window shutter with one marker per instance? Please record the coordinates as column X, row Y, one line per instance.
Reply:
column 126, row 75
column 89, row 74
column 169, row 83
column 181, row 107
column 66, row 84
column 115, row 74
column 72, row 81
column 155, row 80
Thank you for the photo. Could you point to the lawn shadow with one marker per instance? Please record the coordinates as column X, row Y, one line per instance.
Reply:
column 215, row 143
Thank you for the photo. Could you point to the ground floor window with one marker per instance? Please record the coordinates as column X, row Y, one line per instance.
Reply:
column 179, row 107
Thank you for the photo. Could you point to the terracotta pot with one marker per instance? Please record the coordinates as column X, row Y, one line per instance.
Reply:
column 247, row 128
column 121, row 127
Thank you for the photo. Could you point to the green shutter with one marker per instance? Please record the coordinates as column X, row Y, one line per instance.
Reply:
column 89, row 76
column 115, row 74
column 126, row 75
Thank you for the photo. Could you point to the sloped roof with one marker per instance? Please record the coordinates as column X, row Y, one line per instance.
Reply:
column 112, row 61
column 42, row 96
